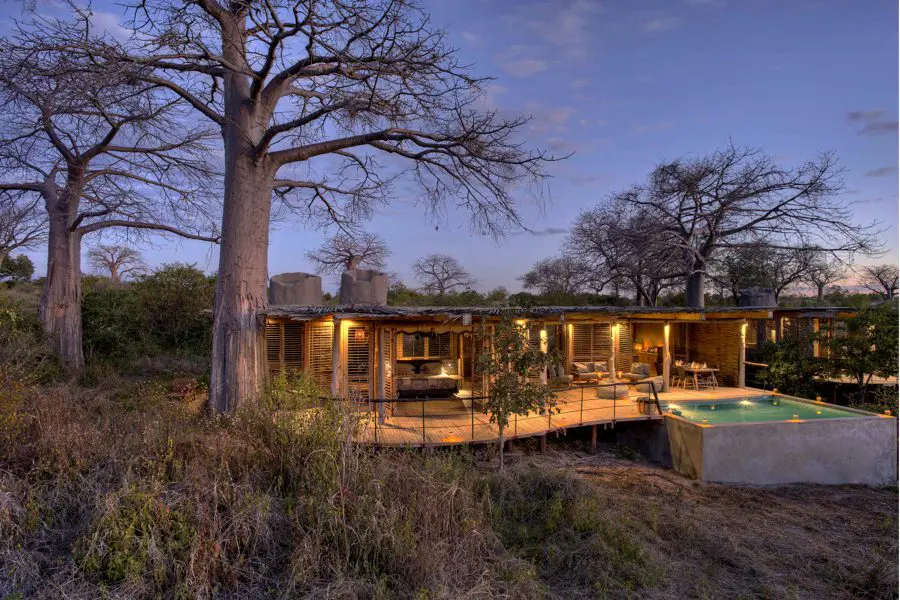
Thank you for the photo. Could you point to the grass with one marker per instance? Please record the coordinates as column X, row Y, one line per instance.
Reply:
column 120, row 491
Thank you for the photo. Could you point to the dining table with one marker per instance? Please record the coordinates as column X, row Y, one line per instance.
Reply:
column 696, row 372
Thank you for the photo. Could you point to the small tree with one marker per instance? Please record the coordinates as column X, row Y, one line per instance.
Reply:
column 116, row 260
column 880, row 279
column 508, row 360
column 345, row 251
column 560, row 276
column 441, row 274
column 866, row 347
column 19, row 268
column 825, row 271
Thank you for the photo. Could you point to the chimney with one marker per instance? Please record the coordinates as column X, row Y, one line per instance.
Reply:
column 298, row 289
column 757, row 296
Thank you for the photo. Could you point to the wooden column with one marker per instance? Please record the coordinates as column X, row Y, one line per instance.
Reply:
column 380, row 370
column 667, row 357
column 544, row 348
column 742, row 356
column 337, row 362
column 613, row 349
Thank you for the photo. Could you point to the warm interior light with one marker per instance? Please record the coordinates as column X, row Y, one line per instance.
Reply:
column 795, row 417
column 745, row 403
column 359, row 335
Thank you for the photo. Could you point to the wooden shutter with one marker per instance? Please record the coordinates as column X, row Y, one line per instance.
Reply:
column 284, row 346
column 359, row 361
column 274, row 346
column 292, row 340
column 591, row 342
column 319, row 344
column 625, row 349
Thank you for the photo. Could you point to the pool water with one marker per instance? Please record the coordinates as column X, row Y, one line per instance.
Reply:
column 754, row 410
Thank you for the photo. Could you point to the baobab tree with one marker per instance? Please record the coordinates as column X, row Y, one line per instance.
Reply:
column 880, row 279
column 101, row 150
column 440, row 274
column 346, row 251
column 307, row 94
column 614, row 238
column 116, row 260
column 561, row 276
column 740, row 196
column 23, row 224
column 824, row 271
column 762, row 266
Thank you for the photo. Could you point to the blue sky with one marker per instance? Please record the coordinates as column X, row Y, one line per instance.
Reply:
column 625, row 85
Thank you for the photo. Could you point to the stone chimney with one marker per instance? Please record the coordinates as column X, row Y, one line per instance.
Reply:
column 299, row 289
column 362, row 286
column 757, row 296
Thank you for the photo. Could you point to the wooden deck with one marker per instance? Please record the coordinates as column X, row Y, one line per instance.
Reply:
column 450, row 422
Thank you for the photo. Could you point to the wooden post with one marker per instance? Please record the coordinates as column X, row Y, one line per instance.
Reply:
column 544, row 349
column 667, row 357
column 742, row 357
column 544, row 443
column 380, row 370
column 613, row 349
column 593, row 439
column 337, row 364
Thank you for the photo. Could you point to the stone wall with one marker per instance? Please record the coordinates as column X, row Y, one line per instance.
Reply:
column 717, row 344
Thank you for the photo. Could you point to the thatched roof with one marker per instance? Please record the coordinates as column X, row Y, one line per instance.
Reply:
column 537, row 312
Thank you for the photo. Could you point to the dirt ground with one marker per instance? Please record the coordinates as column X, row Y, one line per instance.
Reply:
column 717, row 541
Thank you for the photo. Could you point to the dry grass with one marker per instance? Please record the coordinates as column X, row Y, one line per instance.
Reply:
column 121, row 492
column 716, row 541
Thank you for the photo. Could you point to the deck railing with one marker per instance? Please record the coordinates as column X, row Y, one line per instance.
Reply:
column 419, row 421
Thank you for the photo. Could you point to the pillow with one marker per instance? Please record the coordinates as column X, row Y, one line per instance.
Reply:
column 449, row 367
column 404, row 370
column 430, row 368
column 601, row 367
column 560, row 371
column 580, row 368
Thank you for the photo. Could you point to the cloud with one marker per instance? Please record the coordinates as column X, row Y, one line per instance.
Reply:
column 547, row 231
column 882, row 172
column 471, row 37
column 566, row 24
column 588, row 180
column 519, row 61
column 659, row 24
column 873, row 121
column 110, row 24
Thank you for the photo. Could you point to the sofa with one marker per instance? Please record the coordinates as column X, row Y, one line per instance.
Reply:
column 640, row 377
column 589, row 371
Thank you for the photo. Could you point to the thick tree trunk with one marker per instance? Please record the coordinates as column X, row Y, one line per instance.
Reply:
column 820, row 293
column 238, row 355
column 61, row 297
column 696, row 288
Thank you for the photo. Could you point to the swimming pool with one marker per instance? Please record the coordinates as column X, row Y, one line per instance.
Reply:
column 756, row 409
column 771, row 439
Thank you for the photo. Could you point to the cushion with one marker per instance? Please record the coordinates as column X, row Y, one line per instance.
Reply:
column 581, row 368
column 561, row 371
column 404, row 369
column 430, row 368
column 619, row 391
column 449, row 367
column 601, row 367
column 645, row 386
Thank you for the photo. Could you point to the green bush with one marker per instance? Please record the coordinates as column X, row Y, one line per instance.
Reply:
column 165, row 312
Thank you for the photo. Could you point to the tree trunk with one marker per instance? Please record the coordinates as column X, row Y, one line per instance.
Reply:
column 820, row 295
column 238, row 355
column 696, row 287
column 61, row 297
column 502, row 443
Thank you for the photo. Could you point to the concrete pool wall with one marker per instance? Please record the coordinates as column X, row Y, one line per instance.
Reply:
column 853, row 450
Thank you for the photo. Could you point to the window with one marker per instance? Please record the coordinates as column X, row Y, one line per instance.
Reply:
column 425, row 345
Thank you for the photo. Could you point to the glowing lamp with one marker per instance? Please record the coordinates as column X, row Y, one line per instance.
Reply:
column 359, row 335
